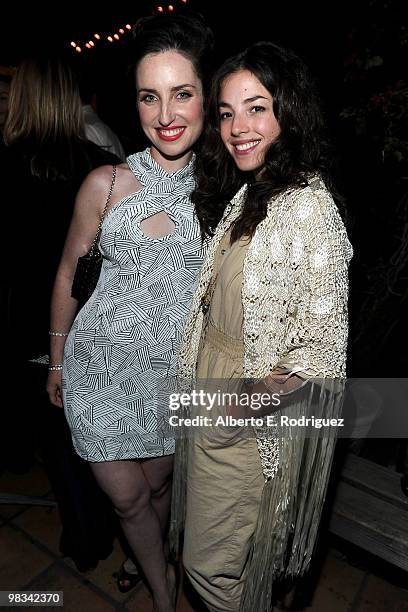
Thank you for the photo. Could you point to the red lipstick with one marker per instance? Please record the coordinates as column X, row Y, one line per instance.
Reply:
column 171, row 138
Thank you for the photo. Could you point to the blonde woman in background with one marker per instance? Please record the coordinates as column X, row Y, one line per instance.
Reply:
column 46, row 159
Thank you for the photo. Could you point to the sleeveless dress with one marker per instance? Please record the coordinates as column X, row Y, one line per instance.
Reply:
column 124, row 340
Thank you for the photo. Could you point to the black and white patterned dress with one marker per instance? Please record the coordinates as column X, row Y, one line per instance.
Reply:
column 124, row 340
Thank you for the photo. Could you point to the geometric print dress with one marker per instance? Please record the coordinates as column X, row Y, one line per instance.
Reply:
column 124, row 341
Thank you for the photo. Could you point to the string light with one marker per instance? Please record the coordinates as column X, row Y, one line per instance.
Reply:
column 104, row 36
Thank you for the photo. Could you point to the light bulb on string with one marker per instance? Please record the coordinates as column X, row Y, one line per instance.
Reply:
column 116, row 36
column 160, row 9
column 170, row 8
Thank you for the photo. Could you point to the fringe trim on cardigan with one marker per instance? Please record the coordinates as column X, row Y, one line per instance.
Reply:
column 178, row 500
column 292, row 501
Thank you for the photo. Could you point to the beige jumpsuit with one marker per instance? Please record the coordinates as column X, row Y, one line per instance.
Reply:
column 224, row 478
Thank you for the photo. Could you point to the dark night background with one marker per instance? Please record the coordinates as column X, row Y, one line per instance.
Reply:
column 357, row 49
column 358, row 52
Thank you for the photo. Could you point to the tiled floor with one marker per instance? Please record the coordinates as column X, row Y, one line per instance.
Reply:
column 29, row 560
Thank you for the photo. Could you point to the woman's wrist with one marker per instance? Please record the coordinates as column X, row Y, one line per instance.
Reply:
column 58, row 334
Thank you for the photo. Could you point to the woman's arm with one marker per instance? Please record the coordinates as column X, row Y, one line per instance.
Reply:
column 271, row 394
column 316, row 336
column 88, row 209
column 317, row 333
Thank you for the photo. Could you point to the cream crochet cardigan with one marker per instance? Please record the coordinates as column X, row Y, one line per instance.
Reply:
column 294, row 292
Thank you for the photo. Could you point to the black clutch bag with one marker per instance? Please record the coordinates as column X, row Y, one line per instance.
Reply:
column 89, row 266
column 86, row 275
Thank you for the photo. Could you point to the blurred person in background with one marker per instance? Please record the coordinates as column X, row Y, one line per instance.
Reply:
column 96, row 130
column 45, row 160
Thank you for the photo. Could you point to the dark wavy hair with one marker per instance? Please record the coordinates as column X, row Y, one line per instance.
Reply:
column 187, row 34
column 300, row 149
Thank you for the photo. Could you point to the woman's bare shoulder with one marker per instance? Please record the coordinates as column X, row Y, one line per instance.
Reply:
column 100, row 179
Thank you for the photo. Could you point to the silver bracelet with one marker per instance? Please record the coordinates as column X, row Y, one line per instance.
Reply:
column 58, row 334
column 55, row 368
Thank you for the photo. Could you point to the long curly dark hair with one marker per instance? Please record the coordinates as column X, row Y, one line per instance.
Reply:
column 301, row 148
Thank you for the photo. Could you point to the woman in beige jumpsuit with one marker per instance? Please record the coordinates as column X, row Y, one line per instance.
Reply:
column 270, row 308
column 215, row 454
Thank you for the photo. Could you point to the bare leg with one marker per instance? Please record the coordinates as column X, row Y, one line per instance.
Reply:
column 153, row 470
column 131, row 493
column 161, row 498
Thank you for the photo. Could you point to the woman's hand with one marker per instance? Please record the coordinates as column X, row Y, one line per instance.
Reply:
column 54, row 388
column 275, row 392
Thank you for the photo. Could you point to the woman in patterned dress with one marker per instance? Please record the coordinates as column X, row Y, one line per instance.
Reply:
column 270, row 308
column 122, row 344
